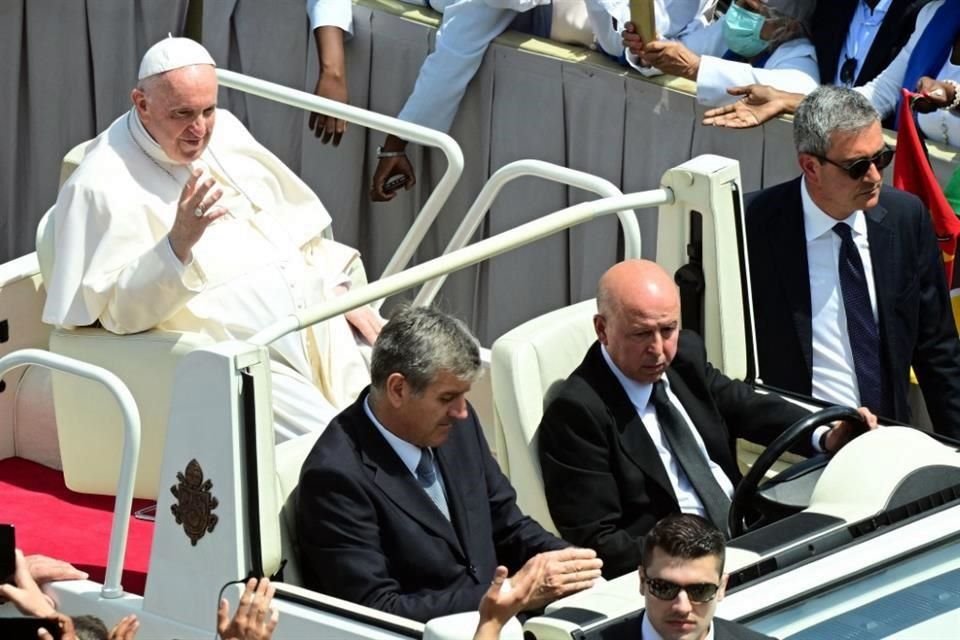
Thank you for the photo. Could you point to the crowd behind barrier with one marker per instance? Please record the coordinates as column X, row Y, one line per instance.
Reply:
column 531, row 98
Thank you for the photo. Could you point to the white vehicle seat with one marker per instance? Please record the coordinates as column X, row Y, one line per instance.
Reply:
column 526, row 363
column 89, row 427
column 88, row 423
column 289, row 460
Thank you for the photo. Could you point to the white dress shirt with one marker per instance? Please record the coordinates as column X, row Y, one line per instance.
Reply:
column 834, row 376
column 331, row 13
column 863, row 30
column 639, row 394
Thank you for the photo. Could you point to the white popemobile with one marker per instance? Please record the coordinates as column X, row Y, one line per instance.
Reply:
column 865, row 546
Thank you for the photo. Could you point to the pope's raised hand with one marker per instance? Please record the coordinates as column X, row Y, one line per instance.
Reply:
column 195, row 212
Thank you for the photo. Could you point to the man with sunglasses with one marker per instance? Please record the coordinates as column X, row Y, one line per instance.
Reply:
column 848, row 286
column 682, row 581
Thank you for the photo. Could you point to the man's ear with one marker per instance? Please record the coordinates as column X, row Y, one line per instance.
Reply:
column 643, row 583
column 723, row 587
column 396, row 389
column 600, row 326
column 810, row 165
column 139, row 100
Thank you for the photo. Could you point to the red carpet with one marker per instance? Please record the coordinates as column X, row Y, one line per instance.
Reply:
column 52, row 520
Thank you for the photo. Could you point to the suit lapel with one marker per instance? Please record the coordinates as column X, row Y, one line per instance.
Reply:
column 882, row 256
column 392, row 477
column 447, row 460
column 788, row 245
column 634, row 439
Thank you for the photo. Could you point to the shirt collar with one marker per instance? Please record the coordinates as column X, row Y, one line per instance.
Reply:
column 879, row 11
column 408, row 453
column 817, row 222
column 637, row 392
column 647, row 632
column 146, row 142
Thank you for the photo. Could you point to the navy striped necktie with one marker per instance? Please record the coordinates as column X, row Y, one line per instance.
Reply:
column 861, row 327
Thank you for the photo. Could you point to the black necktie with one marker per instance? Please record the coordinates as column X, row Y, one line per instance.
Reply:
column 861, row 328
column 690, row 457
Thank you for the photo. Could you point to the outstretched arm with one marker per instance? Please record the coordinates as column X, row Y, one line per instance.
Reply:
column 467, row 30
column 758, row 103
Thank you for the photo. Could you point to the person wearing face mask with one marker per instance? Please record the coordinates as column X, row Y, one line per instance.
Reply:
column 754, row 42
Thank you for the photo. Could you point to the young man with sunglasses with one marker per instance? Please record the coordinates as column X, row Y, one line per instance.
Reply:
column 682, row 581
column 848, row 286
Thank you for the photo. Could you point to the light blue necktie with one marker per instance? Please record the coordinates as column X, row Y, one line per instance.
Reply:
column 427, row 476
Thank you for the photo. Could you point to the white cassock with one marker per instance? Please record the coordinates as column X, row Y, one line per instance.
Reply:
column 267, row 258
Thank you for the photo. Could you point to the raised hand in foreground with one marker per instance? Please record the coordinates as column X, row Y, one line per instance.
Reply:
column 254, row 619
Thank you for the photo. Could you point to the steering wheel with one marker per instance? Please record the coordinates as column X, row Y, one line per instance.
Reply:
column 746, row 491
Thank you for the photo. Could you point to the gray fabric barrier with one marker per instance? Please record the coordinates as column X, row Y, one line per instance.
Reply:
column 71, row 75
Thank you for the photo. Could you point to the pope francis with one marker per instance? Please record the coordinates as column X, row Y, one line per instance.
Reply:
column 172, row 222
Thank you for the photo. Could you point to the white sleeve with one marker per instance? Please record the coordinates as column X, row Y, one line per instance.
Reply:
column 702, row 41
column 468, row 28
column 792, row 68
column 883, row 91
column 607, row 20
column 681, row 18
column 331, row 13
column 109, row 267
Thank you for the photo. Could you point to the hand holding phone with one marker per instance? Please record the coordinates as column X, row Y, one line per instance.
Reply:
column 395, row 182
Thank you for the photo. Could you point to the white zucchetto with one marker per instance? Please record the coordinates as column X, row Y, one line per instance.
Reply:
column 172, row 53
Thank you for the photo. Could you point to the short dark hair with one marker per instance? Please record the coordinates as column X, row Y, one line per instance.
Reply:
column 686, row 536
column 419, row 342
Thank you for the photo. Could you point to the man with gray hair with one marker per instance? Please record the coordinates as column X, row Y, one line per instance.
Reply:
column 402, row 508
column 848, row 285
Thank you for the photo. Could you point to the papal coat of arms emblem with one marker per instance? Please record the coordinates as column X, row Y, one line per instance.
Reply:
column 195, row 502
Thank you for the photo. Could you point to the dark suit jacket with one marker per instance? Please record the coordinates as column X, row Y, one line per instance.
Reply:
column 916, row 320
column 605, row 484
column 723, row 630
column 370, row 534
column 831, row 23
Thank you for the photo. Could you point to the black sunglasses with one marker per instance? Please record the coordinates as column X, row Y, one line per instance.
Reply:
column 858, row 168
column 665, row 590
